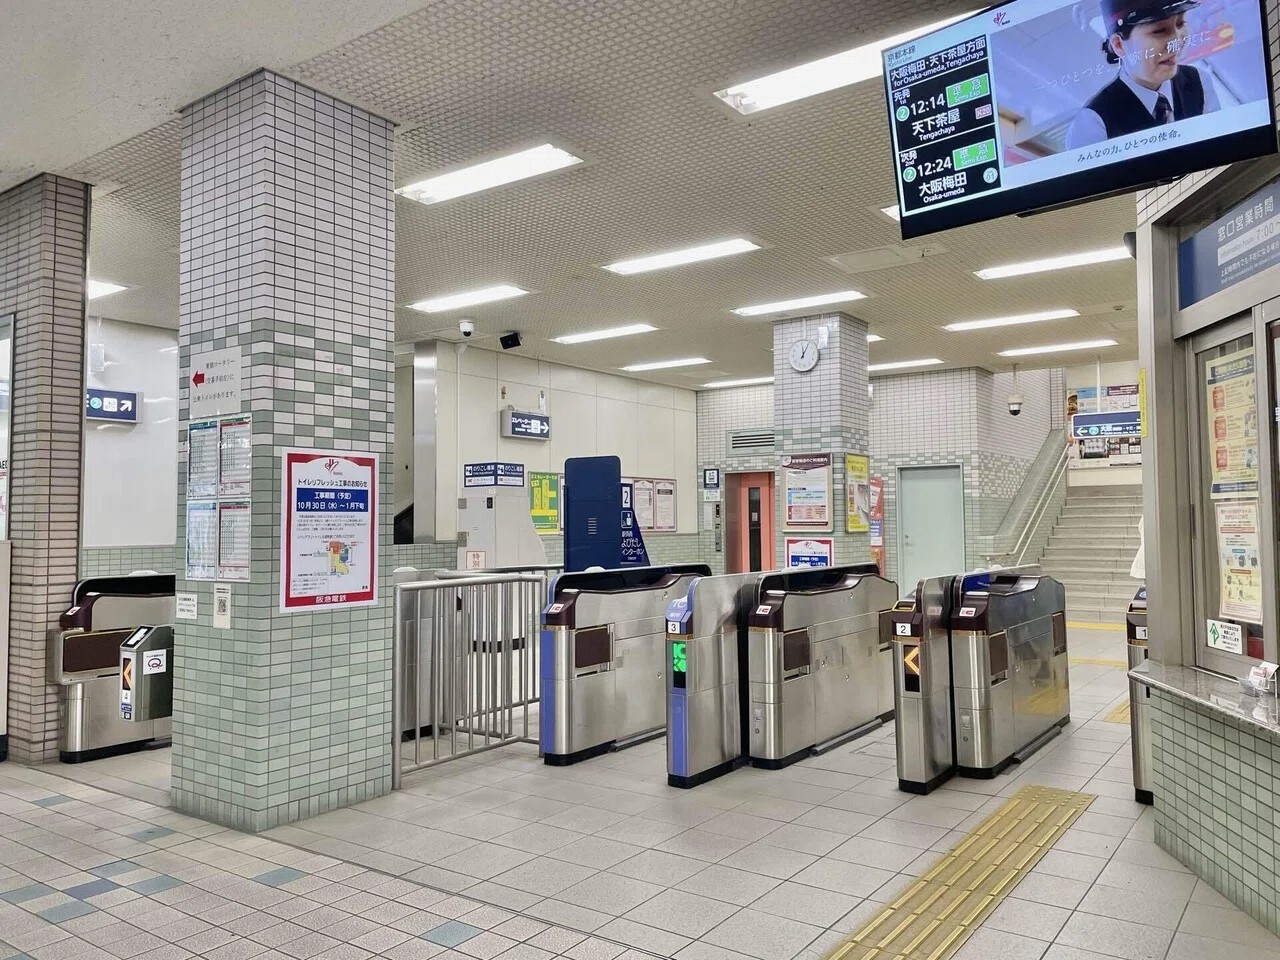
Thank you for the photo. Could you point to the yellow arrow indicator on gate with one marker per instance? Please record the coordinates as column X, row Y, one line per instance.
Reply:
column 128, row 674
column 912, row 659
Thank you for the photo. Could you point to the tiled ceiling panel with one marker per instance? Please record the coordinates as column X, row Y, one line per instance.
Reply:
column 626, row 85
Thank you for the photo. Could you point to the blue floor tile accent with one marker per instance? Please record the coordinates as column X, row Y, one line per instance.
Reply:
column 23, row 894
column 155, row 885
column 279, row 877
column 114, row 869
column 91, row 889
column 53, row 801
column 6, row 955
column 151, row 833
column 452, row 933
column 66, row 911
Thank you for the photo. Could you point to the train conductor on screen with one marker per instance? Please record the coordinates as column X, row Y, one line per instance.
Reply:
column 1147, row 38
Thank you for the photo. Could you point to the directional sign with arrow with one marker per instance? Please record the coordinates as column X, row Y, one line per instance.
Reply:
column 525, row 426
column 214, row 383
column 117, row 406
column 1088, row 426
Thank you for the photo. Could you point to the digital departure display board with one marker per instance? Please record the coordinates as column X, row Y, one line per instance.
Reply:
column 1042, row 103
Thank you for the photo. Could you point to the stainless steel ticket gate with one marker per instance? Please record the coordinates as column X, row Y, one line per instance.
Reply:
column 85, row 663
column 706, row 664
column 146, row 675
column 814, row 660
column 1139, row 697
column 603, row 646
column 981, row 674
column 772, row 667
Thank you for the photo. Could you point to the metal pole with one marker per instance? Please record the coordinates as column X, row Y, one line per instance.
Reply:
column 397, row 694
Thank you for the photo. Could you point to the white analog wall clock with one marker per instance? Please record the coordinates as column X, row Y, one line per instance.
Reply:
column 803, row 356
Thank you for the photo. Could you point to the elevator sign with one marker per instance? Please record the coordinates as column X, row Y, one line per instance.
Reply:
column 525, row 426
column 114, row 405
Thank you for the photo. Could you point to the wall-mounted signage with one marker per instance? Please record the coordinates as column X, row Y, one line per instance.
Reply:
column 329, row 530
column 810, row 551
column 544, row 501
column 525, row 426
column 807, row 487
column 1231, row 385
column 493, row 475
column 1086, row 426
column 118, row 406
column 214, row 383
column 1239, row 244
column 711, row 478
column 857, row 490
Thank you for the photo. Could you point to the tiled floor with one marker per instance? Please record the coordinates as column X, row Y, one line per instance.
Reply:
column 499, row 855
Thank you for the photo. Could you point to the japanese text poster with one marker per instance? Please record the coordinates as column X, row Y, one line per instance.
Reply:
column 329, row 530
column 857, row 491
column 1230, row 389
column 544, row 501
column 807, row 486
column 1239, row 573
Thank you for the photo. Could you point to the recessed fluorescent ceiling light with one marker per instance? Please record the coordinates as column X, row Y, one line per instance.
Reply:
column 1012, row 321
column 819, row 76
column 874, row 338
column 903, row 365
column 665, row 364
column 605, row 334
column 843, row 296
column 469, row 299
column 493, row 173
column 1058, row 348
column 893, row 213
column 747, row 382
column 675, row 258
column 1053, row 263
column 100, row 288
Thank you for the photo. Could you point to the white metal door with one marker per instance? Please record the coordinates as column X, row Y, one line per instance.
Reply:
column 930, row 523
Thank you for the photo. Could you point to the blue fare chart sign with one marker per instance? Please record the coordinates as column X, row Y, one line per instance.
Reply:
column 115, row 405
column 1233, row 248
column 1087, row 426
column 493, row 475
column 526, row 426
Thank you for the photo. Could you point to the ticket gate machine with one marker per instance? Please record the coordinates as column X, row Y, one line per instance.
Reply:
column 706, row 668
column 146, row 674
column 814, row 660
column 981, row 676
column 603, row 646
column 1139, row 699
column 85, row 664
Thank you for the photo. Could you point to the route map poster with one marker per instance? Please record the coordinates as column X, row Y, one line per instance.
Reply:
column 329, row 530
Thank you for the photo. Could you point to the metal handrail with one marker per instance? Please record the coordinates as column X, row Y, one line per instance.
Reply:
column 1042, row 507
column 463, row 633
column 445, row 574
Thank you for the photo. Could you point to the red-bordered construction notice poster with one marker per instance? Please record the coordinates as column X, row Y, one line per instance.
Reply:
column 329, row 530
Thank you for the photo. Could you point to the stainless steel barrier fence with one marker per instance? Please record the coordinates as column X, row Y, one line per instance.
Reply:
column 464, row 666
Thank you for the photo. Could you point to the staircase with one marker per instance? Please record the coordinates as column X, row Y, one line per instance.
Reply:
column 1091, row 550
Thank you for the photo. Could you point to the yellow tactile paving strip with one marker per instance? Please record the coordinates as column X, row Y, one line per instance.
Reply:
column 939, row 911
column 1119, row 715
column 1099, row 662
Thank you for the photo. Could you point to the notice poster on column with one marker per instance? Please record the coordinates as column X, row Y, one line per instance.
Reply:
column 202, row 540
column 1239, row 570
column 810, row 551
column 234, row 527
column 544, row 502
column 857, row 493
column 329, row 530
column 1231, row 396
column 202, row 460
column 807, row 490
column 642, row 493
column 235, row 457
column 664, row 505
column 876, row 523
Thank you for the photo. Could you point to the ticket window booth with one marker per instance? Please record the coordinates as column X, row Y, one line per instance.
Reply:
column 1211, row 353
column 749, row 522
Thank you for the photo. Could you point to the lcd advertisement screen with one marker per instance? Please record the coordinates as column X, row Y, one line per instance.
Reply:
column 1041, row 103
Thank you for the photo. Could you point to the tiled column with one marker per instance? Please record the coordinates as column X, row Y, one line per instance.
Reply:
column 823, row 411
column 287, row 252
column 44, row 228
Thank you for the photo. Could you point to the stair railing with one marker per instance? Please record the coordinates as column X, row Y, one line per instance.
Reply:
column 1048, row 496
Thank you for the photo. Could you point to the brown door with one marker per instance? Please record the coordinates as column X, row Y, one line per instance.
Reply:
column 749, row 522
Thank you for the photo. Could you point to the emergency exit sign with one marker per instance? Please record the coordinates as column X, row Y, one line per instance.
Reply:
column 117, row 406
